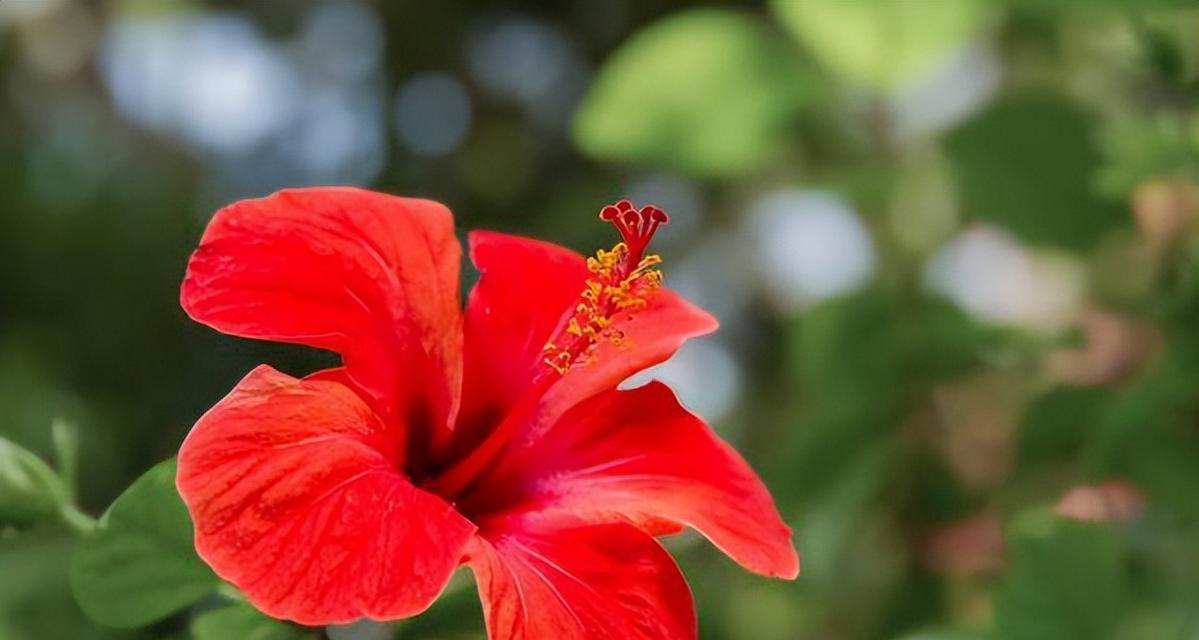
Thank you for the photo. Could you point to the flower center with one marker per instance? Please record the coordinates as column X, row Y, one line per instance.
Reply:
column 621, row 281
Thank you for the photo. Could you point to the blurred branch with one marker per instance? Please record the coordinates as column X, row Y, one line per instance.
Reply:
column 77, row 520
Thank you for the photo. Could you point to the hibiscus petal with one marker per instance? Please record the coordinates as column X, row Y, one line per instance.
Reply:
column 652, row 335
column 639, row 456
column 297, row 501
column 525, row 286
column 526, row 289
column 598, row 582
column 371, row 276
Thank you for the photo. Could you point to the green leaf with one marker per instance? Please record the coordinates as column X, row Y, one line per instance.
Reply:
column 1056, row 426
column 949, row 634
column 1146, row 434
column 1140, row 148
column 882, row 43
column 139, row 564
column 35, row 598
column 844, row 355
column 940, row 341
column 709, row 92
column 1064, row 582
column 244, row 622
column 454, row 614
column 30, row 491
column 1028, row 164
column 1055, row 8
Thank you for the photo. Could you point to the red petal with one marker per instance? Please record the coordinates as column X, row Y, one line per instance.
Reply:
column 297, row 501
column 641, row 457
column 371, row 276
column 653, row 334
column 525, row 290
column 525, row 287
column 601, row 582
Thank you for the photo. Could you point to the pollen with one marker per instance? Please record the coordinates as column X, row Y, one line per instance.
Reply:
column 621, row 281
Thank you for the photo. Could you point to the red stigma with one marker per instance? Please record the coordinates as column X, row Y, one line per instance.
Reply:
column 636, row 226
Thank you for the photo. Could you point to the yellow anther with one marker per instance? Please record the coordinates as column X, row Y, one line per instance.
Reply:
column 622, row 279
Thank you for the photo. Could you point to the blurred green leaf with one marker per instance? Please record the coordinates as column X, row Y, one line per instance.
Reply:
column 1057, row 7
column 139, row 564
column 762, row 610
column 882, row 43
column 1147, row 433
column 456, row 613
column 1157, row 623
column 30, row 491
column 1064, row 582
column 949, row 634
column 843, row 358
column 834, row 520
column 35, row 599
column 934, row 492
column 34, row 395
column 244, row 622
column 846, row 351
column 859, row 361
column 1056, row 426
column 709, row 92
column 1028, row 164
column 940, row 341
column 1137, row 149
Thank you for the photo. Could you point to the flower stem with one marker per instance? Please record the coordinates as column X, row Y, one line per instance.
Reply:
column 77, row 520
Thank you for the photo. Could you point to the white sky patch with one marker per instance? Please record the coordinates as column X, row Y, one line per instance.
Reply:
column 432, row 114
column 341, row 41
column 530, row 63
column 210, row 78
column 703, row 373
column 990, row 275
column 956, row 89
column 679, row 197
column 809, row 246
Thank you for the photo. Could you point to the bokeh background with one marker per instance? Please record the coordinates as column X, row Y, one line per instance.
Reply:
column 954, row 246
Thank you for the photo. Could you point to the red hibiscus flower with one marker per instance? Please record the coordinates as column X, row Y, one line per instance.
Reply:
column 493, row 437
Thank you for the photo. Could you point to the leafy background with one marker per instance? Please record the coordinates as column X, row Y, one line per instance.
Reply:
column 954, row 246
